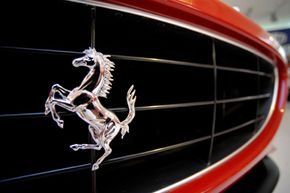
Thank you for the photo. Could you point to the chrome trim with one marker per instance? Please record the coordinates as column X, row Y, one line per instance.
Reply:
column 14, row 115
column 191, row 64
column 215, row 93
column 247, row 98
column 52, row 51
column 160, row 60
column 169, row 21
column 158, row 150
column 239, row 126
column 149, row 107
column 193, row 28
column 244, row 71
column 172, row 106
column 46, row 173
column 203, row 172
column 103, row 125
column 145, row 59
column 128, row 157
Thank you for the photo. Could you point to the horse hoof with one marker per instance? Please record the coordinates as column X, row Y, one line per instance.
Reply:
column 74, row 147
column 47, row 111
column 95, row 167
column 60, row 123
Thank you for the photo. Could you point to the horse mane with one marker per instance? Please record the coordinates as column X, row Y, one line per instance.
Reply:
column 104, row 82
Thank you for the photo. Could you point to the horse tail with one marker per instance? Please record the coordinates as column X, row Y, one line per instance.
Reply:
column 131, row 99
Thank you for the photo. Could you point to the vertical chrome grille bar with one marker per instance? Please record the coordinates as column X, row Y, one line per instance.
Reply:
column 259, row 100
column 93, row 44
column 215, row 102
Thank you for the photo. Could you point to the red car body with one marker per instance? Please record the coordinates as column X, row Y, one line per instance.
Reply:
column 218, row 19
column 64, row 33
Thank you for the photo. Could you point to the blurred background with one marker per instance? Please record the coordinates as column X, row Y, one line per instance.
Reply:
column 274, row 16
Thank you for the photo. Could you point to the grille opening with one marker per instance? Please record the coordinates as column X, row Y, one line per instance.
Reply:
column 265, row 66
column 228, row 55
column 234, row 114
column 266, row 84
column 79, row 181
column 37, row 145
column 22, row 94
column 126, row 33
column 236, row 84
column 160, row 128
column 170, row 137
column 37, row 24
column 153, row 172
column 229, row 142
column 158, row 84
column 263, row 106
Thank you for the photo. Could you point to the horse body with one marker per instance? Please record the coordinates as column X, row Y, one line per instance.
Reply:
column 104, row 125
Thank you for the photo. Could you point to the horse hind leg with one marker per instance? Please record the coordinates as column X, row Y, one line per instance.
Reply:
column 108, row 151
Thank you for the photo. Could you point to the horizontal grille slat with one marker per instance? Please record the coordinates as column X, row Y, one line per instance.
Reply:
column 160, row 60
column 239, row 126
column 46, row 173
column 39, row 50
column 109, row 161
column 129, row 157
column 55, row 31
column 142, row 59
column 241, row 99
column 147, row 108
column 246, row 71
column 199, row 99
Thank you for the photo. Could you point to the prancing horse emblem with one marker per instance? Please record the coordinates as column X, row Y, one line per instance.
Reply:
column 104, row 125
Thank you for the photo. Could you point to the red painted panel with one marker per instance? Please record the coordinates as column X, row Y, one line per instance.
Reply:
column 220, row 19
column 221, row 177
column 213, row 16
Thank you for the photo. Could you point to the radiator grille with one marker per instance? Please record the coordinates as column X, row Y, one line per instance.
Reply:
column 199, row 99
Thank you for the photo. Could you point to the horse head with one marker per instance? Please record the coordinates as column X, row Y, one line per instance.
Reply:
column 89, row 60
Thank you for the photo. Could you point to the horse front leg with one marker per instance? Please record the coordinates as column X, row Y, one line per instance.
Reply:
column 62, row 103
column 76, row 147
column 56, row 88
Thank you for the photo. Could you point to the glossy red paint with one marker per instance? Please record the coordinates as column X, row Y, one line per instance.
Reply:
column 212, row 16
column 222, row 20
column 226, row 173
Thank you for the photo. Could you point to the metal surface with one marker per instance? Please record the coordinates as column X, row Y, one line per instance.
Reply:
column 93, row 45
column 263, row 52
column 160, row 60
column 150, row 107
column 50, row 51
column 256, row 32
column 239, row 126
column 235, row 160
column 104, row 125
column 145, row 59
column 46, row 173
column 214, row 105
column 132, row 156
column 266, row 137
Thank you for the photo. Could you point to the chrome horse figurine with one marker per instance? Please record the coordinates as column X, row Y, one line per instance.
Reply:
column 104, row 125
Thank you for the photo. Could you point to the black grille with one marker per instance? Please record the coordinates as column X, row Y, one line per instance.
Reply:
column 199, row 99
